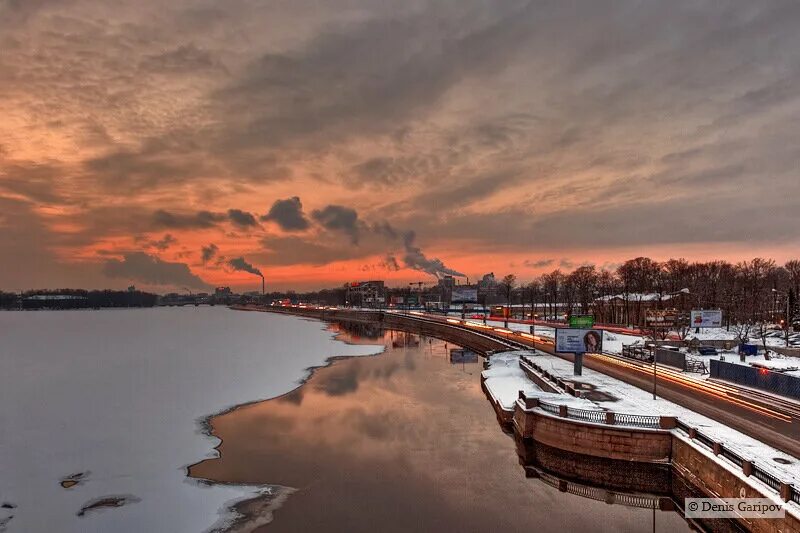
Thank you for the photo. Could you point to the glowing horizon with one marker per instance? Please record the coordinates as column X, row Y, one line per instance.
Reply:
column 151, row 145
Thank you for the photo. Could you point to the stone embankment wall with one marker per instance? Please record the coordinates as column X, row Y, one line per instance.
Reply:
column 632, row 458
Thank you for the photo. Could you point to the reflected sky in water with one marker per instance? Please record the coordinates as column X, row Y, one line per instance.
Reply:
column 403, row 441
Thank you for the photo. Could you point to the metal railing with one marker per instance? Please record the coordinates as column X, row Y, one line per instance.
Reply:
column 549, row 407
column 768, row 478
column 600, row 417
column 733, row 457
column 655, row 422
column 756, row 471
column 641, row 421
column 598, row 494
column 587, row 415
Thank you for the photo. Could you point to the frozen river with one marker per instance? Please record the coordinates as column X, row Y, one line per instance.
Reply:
column 119, row 397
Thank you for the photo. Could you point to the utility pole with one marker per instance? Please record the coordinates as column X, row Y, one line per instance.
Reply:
column 655, row 375
column 655, row 362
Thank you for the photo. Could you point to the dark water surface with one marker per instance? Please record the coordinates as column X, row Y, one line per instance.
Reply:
column 403, row 441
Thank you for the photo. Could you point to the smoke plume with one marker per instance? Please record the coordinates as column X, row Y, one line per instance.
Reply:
column 239, row 263
column 414, row 258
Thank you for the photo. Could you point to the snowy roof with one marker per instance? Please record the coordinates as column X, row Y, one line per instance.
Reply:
column 56, row 297
column 638, row 297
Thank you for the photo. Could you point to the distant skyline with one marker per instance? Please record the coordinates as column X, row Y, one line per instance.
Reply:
column 183, row 144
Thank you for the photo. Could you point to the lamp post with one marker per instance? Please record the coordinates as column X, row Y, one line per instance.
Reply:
column 655, row 367
column 787, row 317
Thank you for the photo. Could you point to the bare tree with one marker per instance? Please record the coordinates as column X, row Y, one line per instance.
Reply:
column 533, row 293
column 793, row 269
column 584, row 281
column 551, row 285
column 507, row 286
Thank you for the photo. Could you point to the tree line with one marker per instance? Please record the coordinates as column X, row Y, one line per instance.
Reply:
column 754, row 291
column 76, row 299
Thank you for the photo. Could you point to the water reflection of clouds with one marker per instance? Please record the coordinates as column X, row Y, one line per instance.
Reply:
column 405, row 438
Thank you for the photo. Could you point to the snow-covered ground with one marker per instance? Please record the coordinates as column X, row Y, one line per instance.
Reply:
column 773, row 337
column 612, row 342
column 505, row 379
column 119, row 395
column 544, row 331
column 630, row 399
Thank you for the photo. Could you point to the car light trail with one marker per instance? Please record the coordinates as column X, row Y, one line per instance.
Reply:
column 714, row 390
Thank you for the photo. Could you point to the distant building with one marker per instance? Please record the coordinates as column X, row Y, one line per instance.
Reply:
column 488, row 290
column 445, row 289
column 223, row 295
column 464, row 294
column 631, row 308
column 55, row 301
column 366, row 293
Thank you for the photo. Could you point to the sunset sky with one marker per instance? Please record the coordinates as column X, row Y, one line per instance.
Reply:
column 150, row 143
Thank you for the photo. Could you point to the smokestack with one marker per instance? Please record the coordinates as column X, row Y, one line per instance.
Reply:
column 262, row 285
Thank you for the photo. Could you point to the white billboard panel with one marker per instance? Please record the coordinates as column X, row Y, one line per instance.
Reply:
column 711, row 318
column 579, row 340
column 464, row 295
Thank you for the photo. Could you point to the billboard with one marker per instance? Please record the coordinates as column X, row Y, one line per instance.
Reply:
column 581, row 321
column 464, row 295
column 661, row 318
column 579, row 340
column 707, row 319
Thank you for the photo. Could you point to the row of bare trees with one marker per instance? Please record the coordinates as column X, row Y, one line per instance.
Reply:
column 748, row 292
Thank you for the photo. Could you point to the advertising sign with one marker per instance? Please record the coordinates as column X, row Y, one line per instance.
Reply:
column 464, row 295
column 711, row 318
column 579, row 340
column 661, row 318
column 581, row 321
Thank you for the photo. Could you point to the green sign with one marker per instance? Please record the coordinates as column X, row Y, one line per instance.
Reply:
column 581, row 321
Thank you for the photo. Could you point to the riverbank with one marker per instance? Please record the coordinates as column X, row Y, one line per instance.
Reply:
column 127, row 391
column 400, row 441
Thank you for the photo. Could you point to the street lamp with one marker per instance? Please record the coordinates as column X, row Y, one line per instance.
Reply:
column 786, row 319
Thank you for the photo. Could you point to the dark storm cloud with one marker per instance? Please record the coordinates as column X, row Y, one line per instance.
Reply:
column 288, row 214
column 242, row 219
column 144, row 268
column 208, row 252
column 161, row 244
column 541, row 263
column 339, row 218
column 198, row 220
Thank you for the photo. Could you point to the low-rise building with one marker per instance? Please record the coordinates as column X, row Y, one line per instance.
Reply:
column 366, row 294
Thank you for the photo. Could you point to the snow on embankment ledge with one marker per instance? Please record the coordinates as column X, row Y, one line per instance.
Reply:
column 504, row 379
